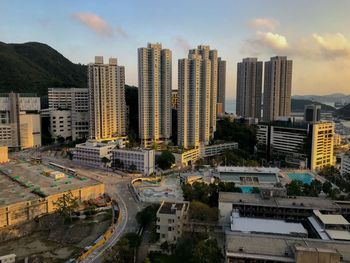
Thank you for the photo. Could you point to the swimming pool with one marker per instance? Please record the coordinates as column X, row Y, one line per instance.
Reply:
column 246, row 189
column 305, row 178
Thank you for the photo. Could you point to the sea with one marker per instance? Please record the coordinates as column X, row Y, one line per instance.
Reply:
column 230, row 106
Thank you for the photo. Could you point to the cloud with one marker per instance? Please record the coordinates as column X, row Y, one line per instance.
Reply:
column 264, row 23
column 182, row 44
column 95, row 23
column 332, row 46
column 265, row 42
column 121, row 32
column 272, row 40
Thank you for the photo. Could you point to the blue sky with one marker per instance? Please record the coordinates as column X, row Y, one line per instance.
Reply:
column 315, row 34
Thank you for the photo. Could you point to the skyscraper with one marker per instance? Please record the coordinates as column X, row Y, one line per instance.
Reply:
column 312, row 113
column 249, row 88
column 277, row 88
column 197, row 92
column 221, row 85
column 154, row 69
column 106, row 83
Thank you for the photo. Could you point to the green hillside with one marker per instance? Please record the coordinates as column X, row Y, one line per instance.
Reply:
column 33, row 67
column 344, row 112
column 299, row 105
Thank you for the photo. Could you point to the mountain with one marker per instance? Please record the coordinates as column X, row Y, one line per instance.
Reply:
column 34, row 67
column 298, row 105
column 344, row 112
column 327, row 99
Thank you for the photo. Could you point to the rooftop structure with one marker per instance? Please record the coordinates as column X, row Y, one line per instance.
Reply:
column 29, row 191
column 242, row 247
column 267, row 226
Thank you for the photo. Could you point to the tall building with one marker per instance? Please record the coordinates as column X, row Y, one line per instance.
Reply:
column 20, row 126
column 74, row 100
column 249, row 88
column 221, row 88
column 300, row 145
column 174, row 99
column 197, row 80
column 154, row 73
column 106, row 84
column 312, row 113
column 277, row 88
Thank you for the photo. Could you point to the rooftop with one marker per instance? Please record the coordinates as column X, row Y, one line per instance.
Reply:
column 242, row 169
column 331, row 219
column 22, row 181
column 280, row 247
column 272, row 226
column 300, row 202
column 170, row 208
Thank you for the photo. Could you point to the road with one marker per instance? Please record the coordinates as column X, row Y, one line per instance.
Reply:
column 115, row 185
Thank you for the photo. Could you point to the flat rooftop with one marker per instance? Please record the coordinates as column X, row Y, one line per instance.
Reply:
column 243, row 169
column 170, row 208
column 272, row 226
column 18, row 179
column 300, row 202
column 331, row 219
column 257, row 246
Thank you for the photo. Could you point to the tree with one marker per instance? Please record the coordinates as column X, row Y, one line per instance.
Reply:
column 207, row 251
column 66, row 205
column 132, row 167
column 165, row 160
column 327, row 187
column 124, row 250
column 60, row 139
column 202, row 212
column 295, row 188
column 147, row 215
column 147, row 260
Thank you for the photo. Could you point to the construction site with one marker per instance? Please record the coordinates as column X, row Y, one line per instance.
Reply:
column 30, row 189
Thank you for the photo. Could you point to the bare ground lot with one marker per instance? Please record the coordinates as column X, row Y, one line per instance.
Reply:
column 58, row 243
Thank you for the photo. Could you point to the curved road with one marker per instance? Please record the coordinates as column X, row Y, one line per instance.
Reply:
column 117, row 187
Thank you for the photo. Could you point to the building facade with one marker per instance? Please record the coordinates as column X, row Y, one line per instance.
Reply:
column 221, row 87
column 106, row 84
column 20, row 125
column 197, row 80
column 75, row 100
column 249, row 88
column 60, row 123
column 142, row 160
column 302, row 145
column 277, row 88
column 155, row 81
column 174, row 99
column 345, row 164
column 171, row 217
column 312, row 113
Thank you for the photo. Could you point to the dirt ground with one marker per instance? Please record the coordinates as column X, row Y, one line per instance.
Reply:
column 60, row 243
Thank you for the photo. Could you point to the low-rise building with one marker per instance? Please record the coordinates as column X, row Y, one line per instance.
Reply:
column 188, row 157
column 171, row 217
column 329, row 226
column 10, row 258
column 266, row 226
column 94, row 154
column 142, row 159
column 216, row 149
column 257, row 205
column 247, row 248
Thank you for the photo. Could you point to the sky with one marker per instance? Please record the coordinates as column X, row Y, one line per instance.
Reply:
column 315, row 34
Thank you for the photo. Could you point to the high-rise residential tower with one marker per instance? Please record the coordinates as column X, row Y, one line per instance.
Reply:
column 277, row 88
column 197, row 80
column 154, row 68
column 221, row 89
column 106, row 83
column 249, row 88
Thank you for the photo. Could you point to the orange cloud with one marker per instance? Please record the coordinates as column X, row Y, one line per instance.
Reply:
column 95, row 23
column 333, row 46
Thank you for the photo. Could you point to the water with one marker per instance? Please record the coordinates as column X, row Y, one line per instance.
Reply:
column 305, row 178
column 230, row 106
column 246, row 189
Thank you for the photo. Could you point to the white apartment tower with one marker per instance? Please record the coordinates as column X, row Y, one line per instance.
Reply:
column 249, row 88
column 106, row 83
column 277, row 88
column 154, row 69
column 197, row 81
